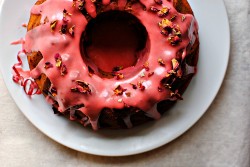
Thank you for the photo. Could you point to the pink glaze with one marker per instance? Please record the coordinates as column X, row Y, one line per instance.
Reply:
column 102, row 95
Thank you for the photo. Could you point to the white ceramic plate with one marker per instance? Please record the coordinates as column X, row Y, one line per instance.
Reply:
column 214, row 54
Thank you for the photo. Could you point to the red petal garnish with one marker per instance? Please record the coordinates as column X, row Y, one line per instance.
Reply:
column 65, row 13
column 163, row 12
column 64, row 28
column 175, row 64
column 53, row 25
column 161, row 62
column 119, row 90
column 48, row 65
column 119, row 76
column 91, row 71
column 146, row 66
column 150, row 74
column 58, row 60
column 63, row 70
column 166, row 26
column 72, row 30
column 128, row 94
column 133, row 86
column 141, row 86
column 81, row 87
column 173, row 17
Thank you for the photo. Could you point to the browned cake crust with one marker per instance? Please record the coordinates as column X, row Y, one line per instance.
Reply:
column 115, row 118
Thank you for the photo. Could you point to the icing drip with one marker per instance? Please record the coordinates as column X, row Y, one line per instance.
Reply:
column 153, row 113
column 128, row 122
column 51, row 42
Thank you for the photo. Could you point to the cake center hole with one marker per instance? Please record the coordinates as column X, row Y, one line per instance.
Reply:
column 113, row 40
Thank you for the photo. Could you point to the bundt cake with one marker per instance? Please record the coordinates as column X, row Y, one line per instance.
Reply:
column 112, row 63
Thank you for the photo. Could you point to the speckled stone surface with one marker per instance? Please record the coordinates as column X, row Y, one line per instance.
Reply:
column 221, row 138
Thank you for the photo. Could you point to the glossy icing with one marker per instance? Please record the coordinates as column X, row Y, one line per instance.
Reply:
column 50, row 43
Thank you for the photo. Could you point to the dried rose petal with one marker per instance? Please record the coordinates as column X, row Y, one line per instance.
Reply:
column 72, row 30
column 46, row 20
column 48, row 65
column 81, row 87
column 128, row 94
column 118, row 90
column 146, row 66
column 64, row 28
column 174, row 40
column 91, row 71
column 57, row 56
column 175, row 64
column 63, row 70
column 58, row 59
column 163, row 12
column 119, row 76
column 165, row 23
column 53, row 25
column 161, row 62
column 150, row 74
column 166, row 26
column 84, row 85
column 66, row 13
column 141, row 86
column 133, row 86
column 177, row 33
column 173, row 17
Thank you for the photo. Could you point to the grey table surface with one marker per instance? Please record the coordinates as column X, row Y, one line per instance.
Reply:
column 220, row 138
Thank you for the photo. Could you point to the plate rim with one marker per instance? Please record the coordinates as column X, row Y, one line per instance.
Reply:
column 151, row 147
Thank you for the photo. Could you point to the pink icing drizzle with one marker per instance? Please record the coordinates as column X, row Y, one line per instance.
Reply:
column 102, row 96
